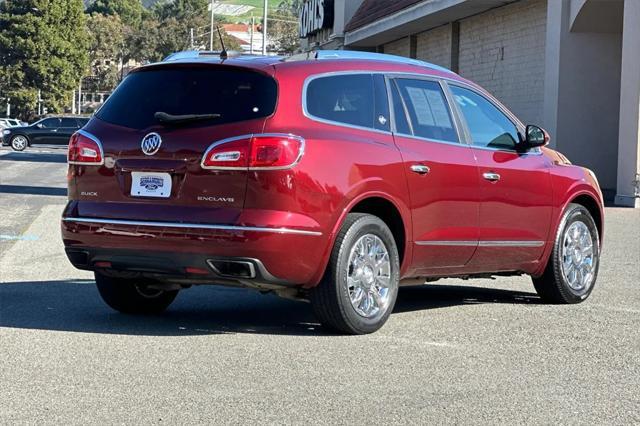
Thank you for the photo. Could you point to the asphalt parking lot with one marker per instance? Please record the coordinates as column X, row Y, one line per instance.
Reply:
column 482, row 351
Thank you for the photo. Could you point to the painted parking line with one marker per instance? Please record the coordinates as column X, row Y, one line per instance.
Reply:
column 5, row 237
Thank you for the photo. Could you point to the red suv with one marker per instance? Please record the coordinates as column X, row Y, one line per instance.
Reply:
column 334, row 179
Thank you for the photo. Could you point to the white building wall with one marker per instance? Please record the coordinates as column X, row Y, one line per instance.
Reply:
column 398, row 47
column 503, row 50
column 435, row 46
column 583, row 97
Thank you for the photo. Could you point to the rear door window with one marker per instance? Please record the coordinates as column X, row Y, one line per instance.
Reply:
column 236, row 94
column 347, row 99
column 68, row 122
column 428, row 109
column 50, row 123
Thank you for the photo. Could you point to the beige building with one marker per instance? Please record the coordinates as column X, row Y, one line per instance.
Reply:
column 572, row 66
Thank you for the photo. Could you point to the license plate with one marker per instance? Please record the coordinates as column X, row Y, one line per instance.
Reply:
column 150, row 184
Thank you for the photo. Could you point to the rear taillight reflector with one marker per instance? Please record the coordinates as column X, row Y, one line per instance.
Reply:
column 84, row 148
column 255, row 152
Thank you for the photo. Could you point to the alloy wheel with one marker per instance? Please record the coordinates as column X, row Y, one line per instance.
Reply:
column 578, row 257
column 369, row 276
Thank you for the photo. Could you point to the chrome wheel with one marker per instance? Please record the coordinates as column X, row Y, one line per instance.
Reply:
column 19, row 143
column 369, row 276
column 578, row 257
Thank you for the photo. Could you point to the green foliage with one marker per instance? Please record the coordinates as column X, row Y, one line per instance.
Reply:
column 130, row 12
column 283, row 28
column 178, row 17
column 43, row 45
column 105, row 50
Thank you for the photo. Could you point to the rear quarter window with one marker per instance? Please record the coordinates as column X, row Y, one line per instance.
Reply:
column 234, row 93
column 347, row 99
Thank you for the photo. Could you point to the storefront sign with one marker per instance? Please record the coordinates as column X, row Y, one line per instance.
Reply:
column 314, row 16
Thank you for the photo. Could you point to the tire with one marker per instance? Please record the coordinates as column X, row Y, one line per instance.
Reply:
column 130, row 296
column 350, row 270
column 19, row 143
column 577, row 236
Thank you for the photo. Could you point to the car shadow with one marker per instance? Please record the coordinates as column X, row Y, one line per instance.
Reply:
column 76, row 306
column 31, row 157
column 33, row 190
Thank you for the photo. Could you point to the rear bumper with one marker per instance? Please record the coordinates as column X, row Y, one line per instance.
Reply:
column 277, row 255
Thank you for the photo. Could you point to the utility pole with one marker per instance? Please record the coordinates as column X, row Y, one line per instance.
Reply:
column 80, row 97
column 253, row 25
column 264, row 27
column 73, row 102
column 191, row 38
column 8, row 107
column 39, row 103
column 211, row 29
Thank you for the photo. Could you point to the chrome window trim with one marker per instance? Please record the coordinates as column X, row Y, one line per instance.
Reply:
column 182, row 225
column 484, row 243
column 462, row 145
column 460, row 122
column 97, row 141
column 248, row 136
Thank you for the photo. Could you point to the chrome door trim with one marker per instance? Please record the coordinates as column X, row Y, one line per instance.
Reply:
column 447, row 243
column 181, row 225
column 497, row 243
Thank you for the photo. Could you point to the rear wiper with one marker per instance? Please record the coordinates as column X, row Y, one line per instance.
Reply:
column 163, row 117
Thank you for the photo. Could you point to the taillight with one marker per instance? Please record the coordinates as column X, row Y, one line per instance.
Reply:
column 228, row 154
column 255, row 152
column 84, row 148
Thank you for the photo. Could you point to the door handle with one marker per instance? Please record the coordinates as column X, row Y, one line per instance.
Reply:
column 492, row 177
column 421, row 169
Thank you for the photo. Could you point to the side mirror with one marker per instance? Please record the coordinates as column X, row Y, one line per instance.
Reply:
column 535, row 137
column 39, row 126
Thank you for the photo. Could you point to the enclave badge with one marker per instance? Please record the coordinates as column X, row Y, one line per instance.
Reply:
column 151, row 143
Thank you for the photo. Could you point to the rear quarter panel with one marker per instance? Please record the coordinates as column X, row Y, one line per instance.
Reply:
column 340, row 167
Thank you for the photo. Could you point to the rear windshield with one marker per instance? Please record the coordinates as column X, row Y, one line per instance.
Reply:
column 235, row 94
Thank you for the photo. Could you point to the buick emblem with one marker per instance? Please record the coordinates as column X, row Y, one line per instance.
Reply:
column 151, row 143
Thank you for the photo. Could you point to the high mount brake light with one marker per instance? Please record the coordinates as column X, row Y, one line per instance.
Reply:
column 84, row 148
column 255, row 152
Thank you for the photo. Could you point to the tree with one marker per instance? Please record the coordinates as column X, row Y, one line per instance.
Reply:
column 105, row 50
column 283, row 28
column 177, row 18
column 43, row 46
column 130, row 12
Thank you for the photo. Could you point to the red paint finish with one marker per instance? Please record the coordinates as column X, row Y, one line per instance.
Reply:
column 445, row 202
column 515, row 208
column 341, row 167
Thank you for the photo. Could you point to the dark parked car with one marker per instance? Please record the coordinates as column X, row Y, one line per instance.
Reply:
column 48, row 131
column 334, row 180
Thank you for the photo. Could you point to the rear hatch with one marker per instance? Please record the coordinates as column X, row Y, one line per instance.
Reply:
column 153, row 145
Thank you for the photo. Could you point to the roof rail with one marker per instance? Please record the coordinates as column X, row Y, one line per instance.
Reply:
column 195, row 54
column 356, row 54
